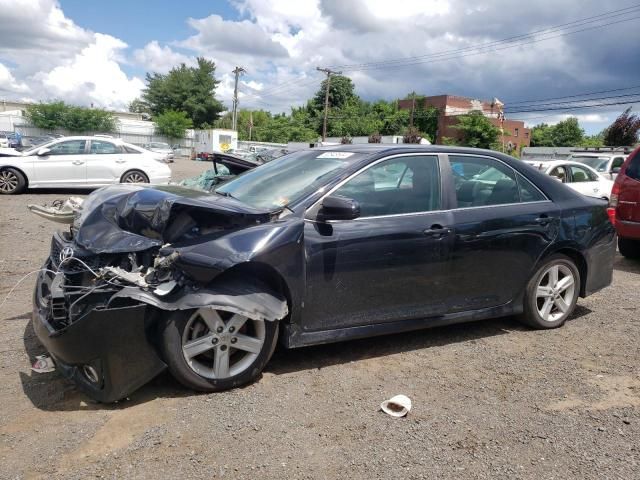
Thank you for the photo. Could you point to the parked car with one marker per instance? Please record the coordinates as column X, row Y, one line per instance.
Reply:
column 163, row 148
column 624, row 206
column 606, row 162
column 79, row 162
column 318, row 246
column 4, row 140
column 578, row 176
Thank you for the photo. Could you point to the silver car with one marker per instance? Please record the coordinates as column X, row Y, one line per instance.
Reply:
column 163, row 148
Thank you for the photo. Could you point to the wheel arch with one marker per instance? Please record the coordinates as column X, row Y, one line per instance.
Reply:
column 26, row 177
column 130, row 170
column 580, row 261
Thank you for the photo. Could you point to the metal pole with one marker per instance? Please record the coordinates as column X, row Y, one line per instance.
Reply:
column 326, row 98
column 234, row 116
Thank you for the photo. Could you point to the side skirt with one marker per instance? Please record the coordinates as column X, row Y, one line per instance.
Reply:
column 296, row 337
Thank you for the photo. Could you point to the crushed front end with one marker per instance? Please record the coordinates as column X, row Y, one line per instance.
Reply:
column 131, row 255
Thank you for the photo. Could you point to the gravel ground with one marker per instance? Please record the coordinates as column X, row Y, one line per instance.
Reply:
column 491, row 399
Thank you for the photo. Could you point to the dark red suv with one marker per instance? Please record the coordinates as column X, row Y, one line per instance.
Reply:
column 624, row 206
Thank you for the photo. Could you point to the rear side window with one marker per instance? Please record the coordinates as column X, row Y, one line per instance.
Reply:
column 481, row 181
column 130, row 150
column 99, row 147
column 579, row 174
column 633, row 170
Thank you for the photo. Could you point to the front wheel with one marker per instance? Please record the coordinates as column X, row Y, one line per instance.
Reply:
column 211, row 350
column 552, row 293
column 12, row 182
column 135, row 176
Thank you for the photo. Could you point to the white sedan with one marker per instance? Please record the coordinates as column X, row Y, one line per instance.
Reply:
column 578, row 176
column 79, row 162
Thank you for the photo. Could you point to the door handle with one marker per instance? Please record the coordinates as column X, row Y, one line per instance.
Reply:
column 543, row 219
column 120, row 160
column 78, row 162
column 437, row 231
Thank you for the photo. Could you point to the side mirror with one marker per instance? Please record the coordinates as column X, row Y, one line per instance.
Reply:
column 335, row 207
column 615, row 170
column 43, row 152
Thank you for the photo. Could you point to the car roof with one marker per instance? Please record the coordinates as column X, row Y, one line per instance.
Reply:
column 371, row 148
column 555, row 163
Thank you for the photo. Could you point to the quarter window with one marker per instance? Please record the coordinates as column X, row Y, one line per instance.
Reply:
column 130, row 150
column 481, row 181
column 103, row 148
column 398, row 185
column 70, row 147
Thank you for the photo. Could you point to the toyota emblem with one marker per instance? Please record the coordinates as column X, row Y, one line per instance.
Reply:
column 65, row 253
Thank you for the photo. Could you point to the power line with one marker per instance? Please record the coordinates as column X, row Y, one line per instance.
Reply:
column 572, row 96
column 454, row 53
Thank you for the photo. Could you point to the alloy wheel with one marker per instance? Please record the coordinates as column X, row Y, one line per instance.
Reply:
column 135, row 177
column 218, row 344
column 555, row 292
column 8, row 181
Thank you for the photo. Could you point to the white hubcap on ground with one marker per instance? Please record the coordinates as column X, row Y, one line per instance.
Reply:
column 555, row 292
column 217, row 348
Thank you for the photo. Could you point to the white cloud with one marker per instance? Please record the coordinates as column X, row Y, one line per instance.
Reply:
column 161, row 59
column 8, row 83
column 94, row 75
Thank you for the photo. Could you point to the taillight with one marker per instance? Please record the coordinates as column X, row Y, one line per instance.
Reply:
column 613, row 203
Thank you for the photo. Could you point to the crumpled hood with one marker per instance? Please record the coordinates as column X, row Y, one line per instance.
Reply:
column 130, row 218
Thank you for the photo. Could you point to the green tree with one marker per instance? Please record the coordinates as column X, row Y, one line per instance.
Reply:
column 541, row 135
column 341, row 91
column 567, row 133
column 50, row 116
column 185, row 89
column 138, row 106
column 623, row 131
column 172, row 124
column 476, row 130
column 593, row 140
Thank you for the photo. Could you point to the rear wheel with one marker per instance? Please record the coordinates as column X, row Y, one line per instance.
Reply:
column 552, row 293
column 135, row 176
column 212, row 350
column 629, row 247
column 12, row 181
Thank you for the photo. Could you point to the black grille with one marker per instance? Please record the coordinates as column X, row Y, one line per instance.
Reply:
column 93, row 261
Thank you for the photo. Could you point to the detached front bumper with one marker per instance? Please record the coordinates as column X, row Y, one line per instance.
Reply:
column 106, row 351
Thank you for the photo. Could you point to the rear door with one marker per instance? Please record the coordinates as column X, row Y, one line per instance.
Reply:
column 502, row 224
column 64, row 165
column 389, row 264
column 105, row 163
column 629, row 193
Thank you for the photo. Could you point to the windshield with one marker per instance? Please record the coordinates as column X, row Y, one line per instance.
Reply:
column 288, row 179
column 597, row 163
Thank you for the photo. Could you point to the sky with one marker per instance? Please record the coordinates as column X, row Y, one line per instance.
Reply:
column 94, row 52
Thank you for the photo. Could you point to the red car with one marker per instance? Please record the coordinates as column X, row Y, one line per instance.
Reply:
column 624, row 206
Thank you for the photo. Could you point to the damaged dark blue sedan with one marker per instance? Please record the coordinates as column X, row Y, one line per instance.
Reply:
column 318, row 246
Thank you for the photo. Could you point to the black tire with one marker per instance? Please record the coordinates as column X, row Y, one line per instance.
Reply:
column 134, row 176
column 629, row 248
column 174, row 332
column 12, row 181
column 534, row 305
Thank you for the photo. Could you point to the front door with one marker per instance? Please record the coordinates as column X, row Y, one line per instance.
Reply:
column 390, row 263
column 502, row 226
column 64, row 164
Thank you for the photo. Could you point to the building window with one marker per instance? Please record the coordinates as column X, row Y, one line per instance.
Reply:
column 526, row 134
column 517, row 131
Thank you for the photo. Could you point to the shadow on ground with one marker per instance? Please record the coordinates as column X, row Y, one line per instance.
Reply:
column 52, row 392
column 626, row 265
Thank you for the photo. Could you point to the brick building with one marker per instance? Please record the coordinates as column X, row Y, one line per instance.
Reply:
column 450, row 106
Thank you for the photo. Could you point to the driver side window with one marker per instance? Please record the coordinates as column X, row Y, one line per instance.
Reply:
column 399, row 185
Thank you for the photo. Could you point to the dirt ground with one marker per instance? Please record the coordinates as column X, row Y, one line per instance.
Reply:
column 490, row 399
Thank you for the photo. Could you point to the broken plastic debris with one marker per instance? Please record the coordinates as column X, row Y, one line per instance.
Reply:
column 165, row 288
column 43, row 364
column 397, row 406
column 60, row 211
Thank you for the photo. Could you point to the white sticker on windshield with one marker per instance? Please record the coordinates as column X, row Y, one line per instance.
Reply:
column 335, row 155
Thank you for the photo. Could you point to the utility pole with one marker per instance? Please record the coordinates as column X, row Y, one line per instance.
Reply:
column 234, row 117
column 326, row 98
column 413, row 109
column 250, row 124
